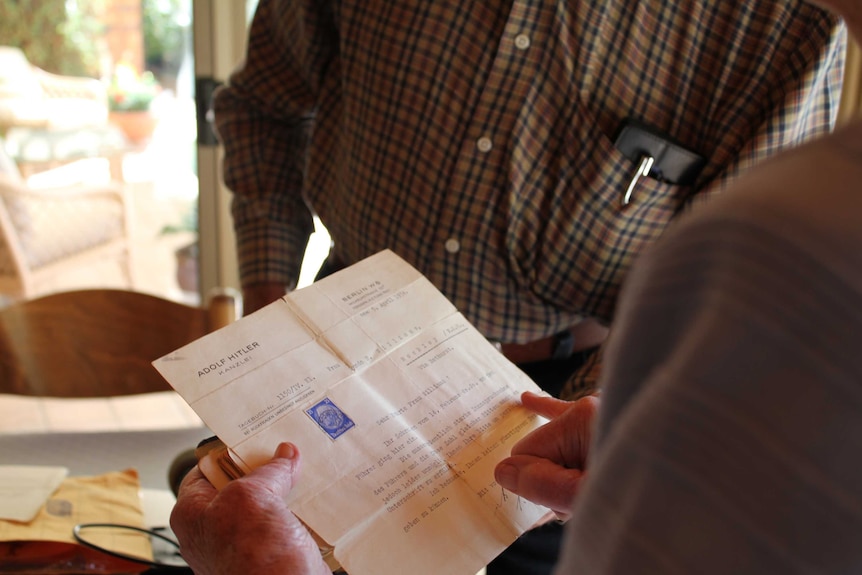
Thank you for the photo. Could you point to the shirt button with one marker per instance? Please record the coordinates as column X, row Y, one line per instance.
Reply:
column 484, row 145
column 522, row 41
column 452, row 246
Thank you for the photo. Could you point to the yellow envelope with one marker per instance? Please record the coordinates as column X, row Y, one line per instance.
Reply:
column 24, row 489
column 46, row 544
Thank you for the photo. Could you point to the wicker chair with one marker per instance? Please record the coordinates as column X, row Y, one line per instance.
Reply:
column 49, row 120
column 32, row 97
column 46, row 232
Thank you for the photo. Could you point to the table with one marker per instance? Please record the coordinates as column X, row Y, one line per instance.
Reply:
column 62, row 432
column 99, row 435
column 91, row 436
column 149, row 452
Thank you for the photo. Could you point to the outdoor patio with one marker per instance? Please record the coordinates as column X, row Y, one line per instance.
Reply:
column 161, row 186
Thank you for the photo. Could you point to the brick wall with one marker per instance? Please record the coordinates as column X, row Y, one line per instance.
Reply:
column 123, row 31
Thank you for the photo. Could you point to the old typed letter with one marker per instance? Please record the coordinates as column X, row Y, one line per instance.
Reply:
column 400, row 408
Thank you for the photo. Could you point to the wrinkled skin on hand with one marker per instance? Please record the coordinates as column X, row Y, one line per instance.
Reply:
column 547, row 465
column 246, row 527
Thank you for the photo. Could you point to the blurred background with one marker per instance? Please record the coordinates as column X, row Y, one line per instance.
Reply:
column 115, row 94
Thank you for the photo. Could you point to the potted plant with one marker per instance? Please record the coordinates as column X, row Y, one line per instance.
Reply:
column 130, row 96
column 187, row 273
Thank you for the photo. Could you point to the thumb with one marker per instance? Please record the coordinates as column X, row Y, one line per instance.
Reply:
column 544, row 405
column 279, row 474
column 541, row 481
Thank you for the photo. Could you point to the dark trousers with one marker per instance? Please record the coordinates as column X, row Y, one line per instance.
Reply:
column 535, row 552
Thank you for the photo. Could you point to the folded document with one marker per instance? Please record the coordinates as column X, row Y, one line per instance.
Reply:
column 400, row 408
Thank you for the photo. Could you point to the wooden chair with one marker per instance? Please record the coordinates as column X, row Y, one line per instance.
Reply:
column 99, row 342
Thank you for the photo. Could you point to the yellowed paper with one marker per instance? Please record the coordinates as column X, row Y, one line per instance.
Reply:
column 108, row 498
column 400, row 408
column 24, row 489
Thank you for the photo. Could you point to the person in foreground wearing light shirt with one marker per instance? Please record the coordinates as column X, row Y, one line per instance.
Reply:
column 730, row 425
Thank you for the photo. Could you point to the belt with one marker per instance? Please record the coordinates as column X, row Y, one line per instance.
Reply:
column 584, row 335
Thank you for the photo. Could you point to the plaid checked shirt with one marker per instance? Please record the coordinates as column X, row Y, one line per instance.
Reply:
column 475, row 138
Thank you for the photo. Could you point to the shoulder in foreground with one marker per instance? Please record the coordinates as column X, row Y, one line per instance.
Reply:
column 812, row 189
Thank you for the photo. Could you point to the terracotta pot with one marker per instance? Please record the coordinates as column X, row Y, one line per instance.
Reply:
column 137, row 125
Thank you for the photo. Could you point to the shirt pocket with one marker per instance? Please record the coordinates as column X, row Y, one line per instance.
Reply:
column 570, row 240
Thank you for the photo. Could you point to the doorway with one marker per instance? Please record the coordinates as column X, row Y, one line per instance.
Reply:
column 142, row 138
column 150, row 56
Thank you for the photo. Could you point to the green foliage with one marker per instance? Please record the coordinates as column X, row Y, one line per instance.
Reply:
column 163, row 33
column 56, row 35
column 130, row 92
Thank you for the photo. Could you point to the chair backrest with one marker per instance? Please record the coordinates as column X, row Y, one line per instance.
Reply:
column 20, row 91
column 45, row 233
column 99, row 342
column 11, row 258
column 34, row 98
column 8, row 167
column 13, row 262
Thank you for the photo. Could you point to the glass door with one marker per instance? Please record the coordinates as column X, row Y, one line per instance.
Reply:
column 154, row 64
column 219, row 42
column 100, row 94
column 220, row 32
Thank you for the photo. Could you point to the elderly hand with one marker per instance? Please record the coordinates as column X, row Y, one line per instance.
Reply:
column 547, row 465
column 246, row 527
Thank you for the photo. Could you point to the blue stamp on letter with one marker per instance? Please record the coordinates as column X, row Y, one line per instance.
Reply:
column 330, row 418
